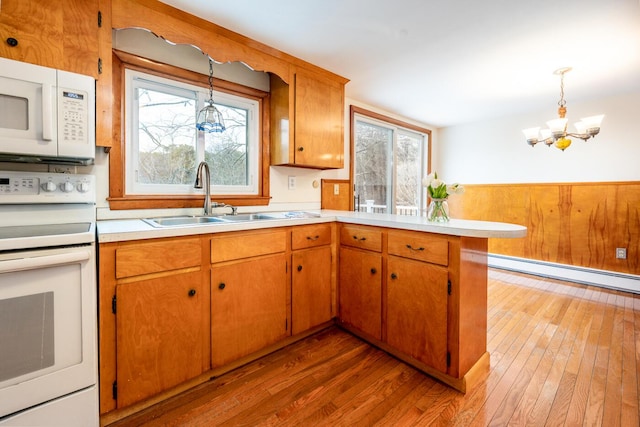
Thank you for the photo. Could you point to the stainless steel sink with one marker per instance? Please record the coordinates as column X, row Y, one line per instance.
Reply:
column 181, row 221
column 248, row 217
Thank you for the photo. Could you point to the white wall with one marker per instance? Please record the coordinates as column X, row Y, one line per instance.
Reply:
column 495, row 151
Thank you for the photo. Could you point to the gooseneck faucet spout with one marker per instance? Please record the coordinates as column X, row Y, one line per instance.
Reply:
column 207, row 185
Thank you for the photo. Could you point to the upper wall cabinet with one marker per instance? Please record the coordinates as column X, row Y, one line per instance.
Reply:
column 57, row 34
column 307, row 128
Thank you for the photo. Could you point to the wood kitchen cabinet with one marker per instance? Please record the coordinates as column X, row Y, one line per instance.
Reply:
column 57, row 34
column 417, row 296
column 311, row 278
column 432, row 303
column 249, row 293
column 160, row 334
column 154, row 318
column 360, row 278
column 307, row 121
column 417, row 310
column 360, row 297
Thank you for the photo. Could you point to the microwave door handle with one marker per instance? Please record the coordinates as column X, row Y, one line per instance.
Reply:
column 47, row 113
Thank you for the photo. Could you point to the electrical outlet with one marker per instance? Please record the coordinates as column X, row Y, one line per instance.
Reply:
column 292, row 183
column 336, row 189
column 621, row 253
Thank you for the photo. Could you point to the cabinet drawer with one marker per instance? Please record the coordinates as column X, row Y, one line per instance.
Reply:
column 308, row 236
column 419, row 246
column 154, row 257
column 361, row 237
column 240, row 245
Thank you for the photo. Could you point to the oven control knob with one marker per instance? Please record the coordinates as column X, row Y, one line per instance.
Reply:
column 49, row 186
column 68, row 187
column 83, row 187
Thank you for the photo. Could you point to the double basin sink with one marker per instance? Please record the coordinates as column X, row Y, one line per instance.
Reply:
column 181, row 221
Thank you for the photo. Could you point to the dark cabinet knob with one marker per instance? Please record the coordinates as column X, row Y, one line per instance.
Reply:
column 299, row 268
column 12, row 42
column 300, row 148
column 221, row 286
column 374, row 271
column 394, row 276
column 192, row 292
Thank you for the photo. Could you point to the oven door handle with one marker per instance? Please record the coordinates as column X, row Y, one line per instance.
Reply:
column 21, row 264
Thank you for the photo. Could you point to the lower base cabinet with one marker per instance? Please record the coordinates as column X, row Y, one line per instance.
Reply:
column 417, row 302
column 248, row 307
column 161, row 347
column 310, row 288
column 360, row 298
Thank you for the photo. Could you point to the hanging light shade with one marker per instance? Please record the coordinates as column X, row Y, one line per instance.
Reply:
column 209, row 118
column 557, row 133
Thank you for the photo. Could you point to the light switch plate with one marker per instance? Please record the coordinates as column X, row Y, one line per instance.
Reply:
column 336, row 189
column 621, row 253
column 292, row 183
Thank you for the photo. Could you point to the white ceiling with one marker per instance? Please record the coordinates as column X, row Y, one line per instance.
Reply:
column 445, row 62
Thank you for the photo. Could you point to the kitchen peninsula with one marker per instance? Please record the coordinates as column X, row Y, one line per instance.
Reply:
column 181, row 304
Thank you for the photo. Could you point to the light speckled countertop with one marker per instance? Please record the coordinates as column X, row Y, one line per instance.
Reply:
column 137, row 229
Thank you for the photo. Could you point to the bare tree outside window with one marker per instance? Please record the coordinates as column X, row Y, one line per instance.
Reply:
column 388, row 168
column 168, row 141
column 372, row 164
column 226, row 152
column 167, row 138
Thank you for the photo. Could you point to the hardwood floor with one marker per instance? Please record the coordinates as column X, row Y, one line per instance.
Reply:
column 561, row 354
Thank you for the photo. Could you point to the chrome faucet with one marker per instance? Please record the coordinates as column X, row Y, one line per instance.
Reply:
column 207, row 185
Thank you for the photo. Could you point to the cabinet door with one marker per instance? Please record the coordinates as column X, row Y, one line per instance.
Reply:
column 57, row 34
column 417, row 310
column 159, row 334
column 310, row 288
column 248, row 306
column 361, row 290
column 318, row 121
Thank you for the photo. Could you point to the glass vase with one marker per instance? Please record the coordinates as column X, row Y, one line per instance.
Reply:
column 438, row 210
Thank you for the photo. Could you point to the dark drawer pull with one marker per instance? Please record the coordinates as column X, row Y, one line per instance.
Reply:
column 313, row 238
column 299, row 268
column 192, row 292
column 394, row 276
column 415, row 249
column 374, row 271
column 221, row 286
column 361, row 238
column 12, row 42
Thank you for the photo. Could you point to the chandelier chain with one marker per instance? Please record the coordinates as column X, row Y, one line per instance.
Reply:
column 210, row 81
column 562, row 102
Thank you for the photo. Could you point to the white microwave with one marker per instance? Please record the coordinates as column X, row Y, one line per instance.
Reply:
column 46, row 115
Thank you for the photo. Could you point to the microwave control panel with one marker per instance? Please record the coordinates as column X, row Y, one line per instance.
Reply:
column 73, row 115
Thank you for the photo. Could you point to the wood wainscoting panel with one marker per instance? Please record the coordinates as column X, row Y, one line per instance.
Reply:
column 578, row 224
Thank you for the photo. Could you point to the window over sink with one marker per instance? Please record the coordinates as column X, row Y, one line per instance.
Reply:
column 154, row 165
column 164, row 147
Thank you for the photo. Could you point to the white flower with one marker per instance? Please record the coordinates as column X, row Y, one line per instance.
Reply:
column 438, row 189
column 455, row 189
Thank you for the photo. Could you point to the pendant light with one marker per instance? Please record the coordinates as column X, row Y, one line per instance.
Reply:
column 557, row 133
column 209, row 118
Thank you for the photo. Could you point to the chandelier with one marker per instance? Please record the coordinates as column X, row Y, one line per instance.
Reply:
column 209, row 118
column 557, row 134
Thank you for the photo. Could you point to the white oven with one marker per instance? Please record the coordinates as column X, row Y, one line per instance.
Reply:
column 48, row 315
column 46, row 114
